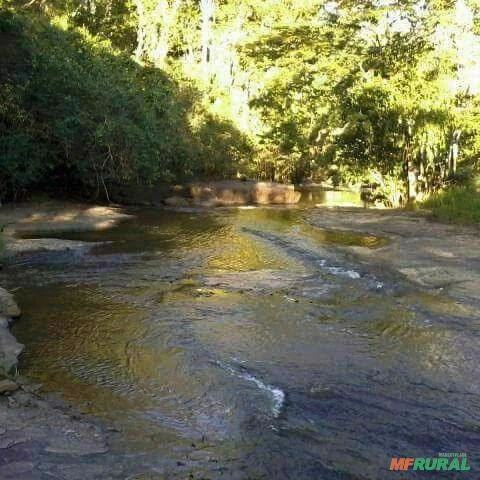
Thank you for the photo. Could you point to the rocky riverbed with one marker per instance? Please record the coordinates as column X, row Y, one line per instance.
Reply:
column 42, row 436
column 47, row 217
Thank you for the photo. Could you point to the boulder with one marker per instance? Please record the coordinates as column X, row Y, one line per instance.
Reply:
column 234, row 196
column 8, row 307
column 204, row 195
column 8, row 386
column 10, row 350
column 4, row 321
column 229, row 192
column 266, row 193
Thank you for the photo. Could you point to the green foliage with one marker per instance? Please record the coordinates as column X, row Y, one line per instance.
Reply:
column 113, row 20
column 77, row 113
column 457, row 204
column 366, row 89
column 119, row 91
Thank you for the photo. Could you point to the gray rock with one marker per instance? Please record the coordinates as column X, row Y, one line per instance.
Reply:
column 8, row 307
column 8, row 386
column 10, row 350
column 74, row 443
column 11, row 438
column 12, row 470
column 32, row 387
column 4, row 321
column 24, row 399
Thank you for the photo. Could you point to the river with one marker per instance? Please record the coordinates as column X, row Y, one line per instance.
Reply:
column 244, row 343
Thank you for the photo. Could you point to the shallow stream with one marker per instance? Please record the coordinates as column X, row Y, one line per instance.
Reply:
column 242, row 343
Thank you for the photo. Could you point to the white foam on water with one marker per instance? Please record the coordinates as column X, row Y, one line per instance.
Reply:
column 344, row 272
column 278, row 396
column 338, row 270
column 238, row 360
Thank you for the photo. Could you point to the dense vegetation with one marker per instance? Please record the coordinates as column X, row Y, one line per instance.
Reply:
column 460, row 204
column 76, row 113
column 101, row 92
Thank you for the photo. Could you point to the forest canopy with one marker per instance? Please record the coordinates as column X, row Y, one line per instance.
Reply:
column 101, row 92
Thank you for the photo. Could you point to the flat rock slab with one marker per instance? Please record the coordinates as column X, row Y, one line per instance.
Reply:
column 21, row 246
column 73, row 443
column 84, row 471
column 56, row 216
column 292, row 287
column 255, row 281
column 50, row 218
column 39, row 441
column 431, row 254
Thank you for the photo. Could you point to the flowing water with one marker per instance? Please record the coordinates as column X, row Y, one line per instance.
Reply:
column 241, row 343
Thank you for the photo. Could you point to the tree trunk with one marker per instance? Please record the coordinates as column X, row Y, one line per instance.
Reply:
column 168, row 15
column 141, row 30
column 207, row 8
column 453, row 151
column 154, row 30
column 410, row 170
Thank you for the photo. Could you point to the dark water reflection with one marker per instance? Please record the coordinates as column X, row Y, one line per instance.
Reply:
column 243, row 344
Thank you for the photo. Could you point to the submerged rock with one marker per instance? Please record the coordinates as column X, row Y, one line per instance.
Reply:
column 256, row 281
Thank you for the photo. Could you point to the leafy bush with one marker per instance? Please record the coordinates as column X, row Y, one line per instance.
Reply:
column 78, row 115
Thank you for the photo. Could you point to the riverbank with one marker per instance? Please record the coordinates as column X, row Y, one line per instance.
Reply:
column 456, row 205
column 42, row 436
column 436, row 256
column 35, row 219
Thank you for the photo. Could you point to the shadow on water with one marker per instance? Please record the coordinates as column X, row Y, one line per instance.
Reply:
column 155, row 229
column 243, row 344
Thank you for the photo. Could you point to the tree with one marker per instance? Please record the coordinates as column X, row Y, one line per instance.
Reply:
column 156, row 22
